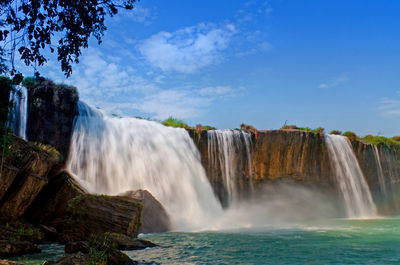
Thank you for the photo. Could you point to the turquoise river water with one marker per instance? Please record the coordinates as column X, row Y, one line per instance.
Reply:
column 338, row 241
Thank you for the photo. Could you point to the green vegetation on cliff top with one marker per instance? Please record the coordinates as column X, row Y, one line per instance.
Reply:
column 33, row 82
column 177, row 123
column 307, row 129
column 392, row 143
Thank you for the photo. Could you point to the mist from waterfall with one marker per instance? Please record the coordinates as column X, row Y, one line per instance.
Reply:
column 225, row 147
column 19, row 111
column 350, row 179
column 111, row 155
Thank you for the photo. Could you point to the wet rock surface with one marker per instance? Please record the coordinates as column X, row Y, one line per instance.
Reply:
column 52, row 109
column 24, row 174
column 50, row 206
column 10, row 248
column 9, row 262
column 90, row 214
column 154, row 216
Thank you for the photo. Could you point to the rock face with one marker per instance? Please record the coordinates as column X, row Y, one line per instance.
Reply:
column 238, row 160
column 381, row 168
column 15, row 248
column 292, row 155
column 75, row 259
column 25, row 170
column 17, row 238
column 8, row 175
column 98, row 214
column 154, row 217
column 50, row 206
column 366, row 159
column 52, row 109
column 295, row 156
column 114, row 257
column 9, row 262
column 4, row 98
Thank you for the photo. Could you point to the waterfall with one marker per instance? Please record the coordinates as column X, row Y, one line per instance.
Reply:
column 230, row 154
column 381, row 176
column 392, row 178
column 19, row 112
column 351, row 181
column 111, row 155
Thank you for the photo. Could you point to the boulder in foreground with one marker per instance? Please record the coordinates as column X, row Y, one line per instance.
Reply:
column 154, row 216
column 50, row 206
column 91, row 215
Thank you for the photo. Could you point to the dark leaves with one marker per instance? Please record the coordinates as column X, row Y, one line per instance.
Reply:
column 72, row 21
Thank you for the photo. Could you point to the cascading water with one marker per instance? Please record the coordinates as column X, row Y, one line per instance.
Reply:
column 225, row 149
column 389, row 166
column 381, row 176
column 351, row 181
column 111, row 155
column 391, row 176
column 19, row 112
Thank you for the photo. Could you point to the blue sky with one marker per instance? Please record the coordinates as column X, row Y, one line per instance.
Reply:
column 334, row 64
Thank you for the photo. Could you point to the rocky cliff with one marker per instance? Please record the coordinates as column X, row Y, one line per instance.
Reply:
column 24, row 172
column 302, row 157
column 241, row 167
column 381, row 168
column 51, row 113
column 39, row 203
column 5, row 89
column 293, row 156
column 290, row 156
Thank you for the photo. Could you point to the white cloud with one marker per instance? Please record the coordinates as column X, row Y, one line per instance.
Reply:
column 97, row 77
column 177, row 103
column 390, row 107
column 218, row 90
column 138, row 14
column 222, row 92
column 335, row 82
column 187, row 50
column 141, row 15
column 184, row 103
column 253, row 9
column 123, row 90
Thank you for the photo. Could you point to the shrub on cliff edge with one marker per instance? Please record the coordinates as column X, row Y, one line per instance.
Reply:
column 176, row 123
column 336, row 132
column 387, row 142
column 351, row 135
column 307, row 129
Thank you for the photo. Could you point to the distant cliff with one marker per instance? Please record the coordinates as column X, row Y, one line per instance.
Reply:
column 381, row 168
column 297, row 156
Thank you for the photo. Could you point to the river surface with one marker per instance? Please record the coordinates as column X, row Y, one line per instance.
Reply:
column 337, row 241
